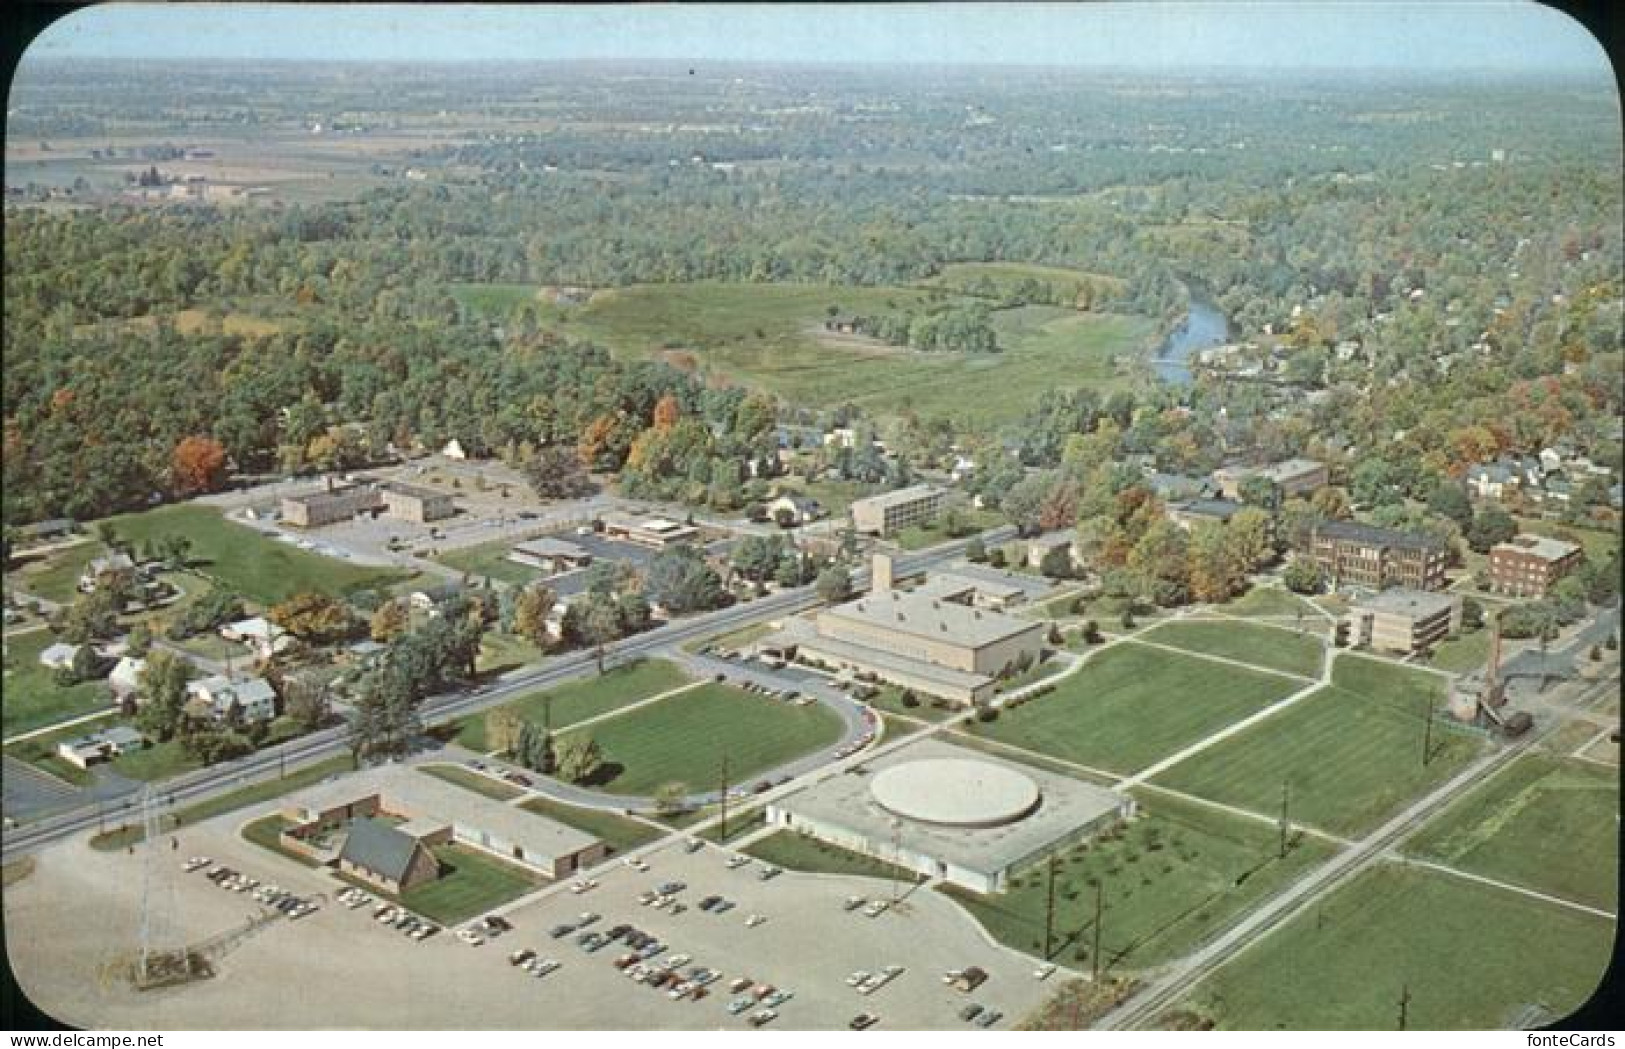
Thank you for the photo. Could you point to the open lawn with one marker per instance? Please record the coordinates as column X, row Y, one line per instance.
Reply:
column 1544, row 823
column 771, row 336
column 245, row 561
column 1131, row 705
column 1350, row 754
column 798, row 852
column 54, row 576
column 588, row 697
column 470, row 883
column 266, row 832
column 741, row 821
column 890, row 698
column 501, row 652
column 931, row 533
column 31, row 697
column 490, row 560
column 1269, row 647
column 1472, row 956
column 1272, row 601
column 1001, row 278
column 1173, row 877
column 1459, row 654
column 618, row 832
column 684, row 739
column 477, row 782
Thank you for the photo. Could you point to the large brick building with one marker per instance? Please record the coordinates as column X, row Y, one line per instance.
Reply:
column 1354, row 554
column 1529, row 565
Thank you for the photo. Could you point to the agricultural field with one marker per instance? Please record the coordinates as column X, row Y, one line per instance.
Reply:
column 245, row 561
column 618, row 832
column 1350, row 754
column 588, row 697
column 771, row 336
column 1474, row 957
column 33, row 698
column 1172, row 877
column 1131, row 705
column 1544, row 823
column 684, row 738
column 1268, row 647
column 799, row 852
column 1002, row 278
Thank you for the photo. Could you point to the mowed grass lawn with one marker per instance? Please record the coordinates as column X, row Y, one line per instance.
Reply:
column 1131, row 705
column 1350, row 754
column 54, row 576
column 1173, row 877
column 1271, row 648
column 31, row 697
column 683, row 739
column 470, row 883
column 798, row 852
column 567, row 704
column 490, row 561
column 247, row 562
column 1473, row 956
column 1545, row 823
column 1273, row 601
column 617, row 832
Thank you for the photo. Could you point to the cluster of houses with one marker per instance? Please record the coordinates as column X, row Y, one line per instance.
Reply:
column 1551, row 479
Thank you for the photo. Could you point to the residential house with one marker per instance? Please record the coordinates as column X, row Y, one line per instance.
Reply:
column 104, row 566
column 58, row 656
column 801, row 509
column 125, row 679
column 102, row 746
column 215, row 697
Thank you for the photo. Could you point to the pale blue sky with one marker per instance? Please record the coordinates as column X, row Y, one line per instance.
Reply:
column 1341, row 34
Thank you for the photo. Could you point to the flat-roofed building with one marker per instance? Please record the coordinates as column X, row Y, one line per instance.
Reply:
column 1529, row 565
column 1353, row 554
column 655, row 532
column 550, row 555
column 1193, row 512
column 891, row 512
column 409, row 502
column 947, row 812
column 329, row 504
column 1292, row 476
column 102, row 746
column 1404, row 621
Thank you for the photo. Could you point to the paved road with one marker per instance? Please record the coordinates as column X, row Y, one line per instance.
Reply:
column 1169, row 988
column 309, row 749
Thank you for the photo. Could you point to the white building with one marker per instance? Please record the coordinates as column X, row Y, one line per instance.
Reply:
column 214, row 697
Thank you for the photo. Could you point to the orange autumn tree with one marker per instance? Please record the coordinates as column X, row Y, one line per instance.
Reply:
column 667, row 412
column 198, row 465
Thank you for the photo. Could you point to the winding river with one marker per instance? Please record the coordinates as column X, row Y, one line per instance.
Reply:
column 1204, row 327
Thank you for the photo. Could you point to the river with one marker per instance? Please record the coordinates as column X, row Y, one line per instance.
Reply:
column 1204, row 327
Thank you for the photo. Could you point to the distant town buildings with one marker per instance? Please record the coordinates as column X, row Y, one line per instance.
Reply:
column 1529, row 565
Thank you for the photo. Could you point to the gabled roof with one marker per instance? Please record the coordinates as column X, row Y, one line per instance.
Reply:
column 379, row 848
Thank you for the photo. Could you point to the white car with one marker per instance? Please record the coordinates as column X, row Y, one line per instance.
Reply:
column 861, row 976
column 876, row 909
column 470, row 937
column 754, row 920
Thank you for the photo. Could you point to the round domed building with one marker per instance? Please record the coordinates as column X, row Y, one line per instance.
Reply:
column 951, row 813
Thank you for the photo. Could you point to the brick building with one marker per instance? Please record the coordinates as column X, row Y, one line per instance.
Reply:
column 1354, row 554
column 1529, row 565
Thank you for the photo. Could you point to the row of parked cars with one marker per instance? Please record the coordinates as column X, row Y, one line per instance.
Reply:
column 404, row 921
column 528, row 961
column 870, row 908
column 487, row 928
column 288, row 903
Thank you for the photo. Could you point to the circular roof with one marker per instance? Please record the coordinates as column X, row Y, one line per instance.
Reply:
column 955, row 792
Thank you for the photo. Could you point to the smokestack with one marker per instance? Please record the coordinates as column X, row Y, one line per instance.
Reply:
column 880, row 574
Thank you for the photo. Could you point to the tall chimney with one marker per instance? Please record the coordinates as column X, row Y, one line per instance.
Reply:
column 880, row 574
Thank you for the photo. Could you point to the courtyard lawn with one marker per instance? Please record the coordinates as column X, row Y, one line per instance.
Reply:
column 1272, row 601
column 567, row 704
column 1267, row 647
column 1131, row 705
column 490, row 561
column 1543, row 822
column 1350, row 754
column 1460, row 654
column 890, row 700
column 741, row 821
column 266, row 833
column 618, row 832
column 470, row 883
column 1472, row 956
column 799, row 852
column 32, row 698
column 246, row 561
column 1172, row 878
column 54, row 576
column 684, row 738
column 477, row 782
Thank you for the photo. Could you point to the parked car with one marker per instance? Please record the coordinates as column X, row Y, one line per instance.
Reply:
column 989, row 1018
column 863, row 1021
column 970, row 1012
column 521, row 956
column 763, row 1017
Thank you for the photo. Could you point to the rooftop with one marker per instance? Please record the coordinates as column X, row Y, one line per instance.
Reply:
column 1364, row 533
column 922, row 615
column 1407, row 602
column 1543, row 547
column 412, row 490
column 548, row 546
column 379, row 848
column 901, row 496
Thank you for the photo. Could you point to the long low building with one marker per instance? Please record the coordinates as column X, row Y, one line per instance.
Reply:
column 336, row 502
column 550, row 554
column 431, row 812
column 947, row 812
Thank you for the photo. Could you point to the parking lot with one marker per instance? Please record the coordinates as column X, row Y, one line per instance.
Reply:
column 354, row 971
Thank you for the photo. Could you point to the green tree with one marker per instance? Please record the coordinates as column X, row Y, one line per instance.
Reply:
column 579, row 758
column 834, row 584
column 530, row 613
column 161, row 695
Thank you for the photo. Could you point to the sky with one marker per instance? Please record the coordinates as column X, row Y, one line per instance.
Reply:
column 1436, row 35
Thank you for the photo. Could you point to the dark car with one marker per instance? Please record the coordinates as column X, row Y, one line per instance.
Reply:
column 672, row 887
column 559, row 932
column 709, row 902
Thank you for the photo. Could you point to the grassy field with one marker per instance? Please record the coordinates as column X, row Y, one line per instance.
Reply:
column 741, row 821
column 1005, row 276
column 684, row 738
column 245, row 561
column 470, row 883
column 54, row 576
column 490, row 560
column 231, row 801
column 567, row 704
column 798, row 852
column 618, row 832
column 920, row 536
column 266, row 832
column 1473, row 957
column 1263, row 646
column 1350, row 754
column 1459, row 654
column 1169, row 880
column 770, row 336
column 477, row 782
column 501, row 652
column 1543, row 822
column 33, row 699
column 890, row 699
column 1272, row 601
column 1132, row 705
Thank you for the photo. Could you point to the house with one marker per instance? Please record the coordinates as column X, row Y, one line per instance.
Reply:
column 389, row 859
column 430, row 598
column 259, row 634
column 801, row 510
column 1491, row 480
column 454, row 450
column 102, row 746
column 215, row 697
column 125, row 679
column 104, row 566
column 962, row 467
column 58, row 656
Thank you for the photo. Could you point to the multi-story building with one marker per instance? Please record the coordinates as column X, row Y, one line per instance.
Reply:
column 891, row 512
column 341, row 502
column 1292, row 477
column 1529, row 565
column 1354, row 554
column 1404, row 621
column 419, row 505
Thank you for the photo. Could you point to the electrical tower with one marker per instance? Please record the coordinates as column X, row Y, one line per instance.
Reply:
column 157, row 897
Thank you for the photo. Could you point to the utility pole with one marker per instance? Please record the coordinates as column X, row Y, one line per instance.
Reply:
column 722, row 828
column 1427, row 732
column 1049, row 910
column 897, row 853
column 1404, row 1004
column 1094, row 955
column 1286, row 826
column 282, row 762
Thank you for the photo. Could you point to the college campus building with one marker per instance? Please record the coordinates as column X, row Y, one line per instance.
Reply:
column 1354, row 554
column 946, row 812
column 550, row 555
column 657, row 533
column 1292, row 477
column 891, row 512
column 1404, row 621
column 1193, row 512
column 1529, row 565
column 383, row 825
column 341, row 502
column 940, row 639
